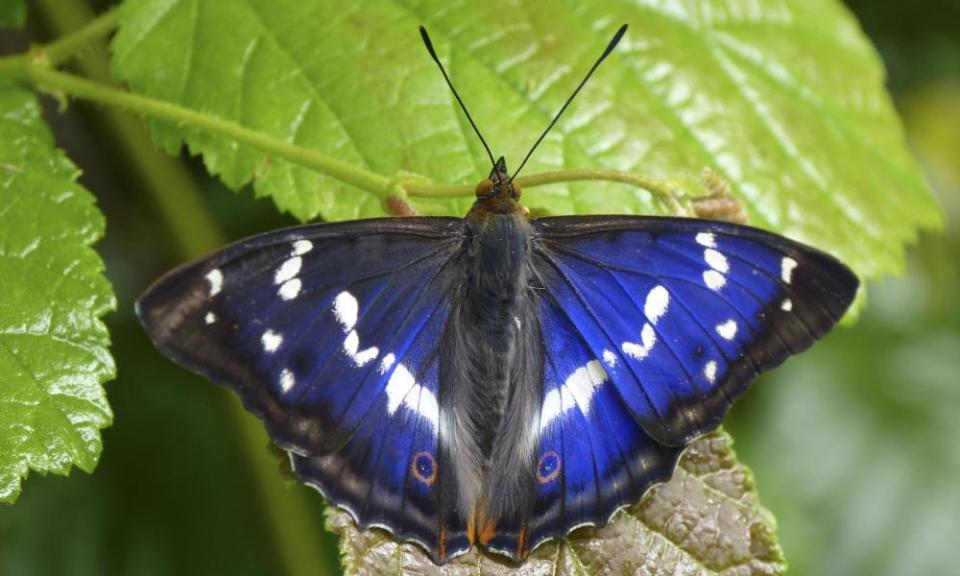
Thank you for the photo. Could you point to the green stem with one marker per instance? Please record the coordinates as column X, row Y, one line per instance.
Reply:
column 381, row 186
column 45, row 78
column 66, row 47
column 660, row 188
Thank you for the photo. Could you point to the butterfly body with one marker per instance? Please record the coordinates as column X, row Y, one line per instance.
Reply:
column 491, row 347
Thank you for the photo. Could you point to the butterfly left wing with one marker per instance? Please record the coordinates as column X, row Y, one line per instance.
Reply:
column 329, row 333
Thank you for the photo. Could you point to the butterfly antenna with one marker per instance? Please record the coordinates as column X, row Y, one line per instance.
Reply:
column 613, row 44
column 433, row 54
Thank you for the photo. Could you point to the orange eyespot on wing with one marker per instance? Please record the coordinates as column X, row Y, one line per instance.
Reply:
column 423, row 466
column 548, row 468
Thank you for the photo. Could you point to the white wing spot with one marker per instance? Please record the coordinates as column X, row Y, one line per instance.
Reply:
column 215, row 278
column 210, row 318
column 400, row 382
column 301, row 247
column 707, row 239
column 577, row 390
column 658, row 299
column 346, row 308
column 286, row 380
column 787, row 305
column 387, row 362
column 610, row 358
column 403, row 390
column 710, row 371
column 786, row 268
column 290, row 289
column 425, row 404
column 714, row 280
column 728, row 330
column 287, row 270
column 518, row 323
column 351, row 345
column 648, row 337
column 271, row 341
column 365, row 356
column 716, row 260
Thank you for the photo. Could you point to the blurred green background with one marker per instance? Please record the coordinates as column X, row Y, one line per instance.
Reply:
column 853, row 444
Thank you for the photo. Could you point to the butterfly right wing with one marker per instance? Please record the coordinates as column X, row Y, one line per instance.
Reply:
column 330, row 334
column 652, row 328
column 593, row 458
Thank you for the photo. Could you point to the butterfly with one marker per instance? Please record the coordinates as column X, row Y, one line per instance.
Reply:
column 494, row 380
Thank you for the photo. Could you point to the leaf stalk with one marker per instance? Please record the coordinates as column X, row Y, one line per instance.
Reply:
column 39, row 73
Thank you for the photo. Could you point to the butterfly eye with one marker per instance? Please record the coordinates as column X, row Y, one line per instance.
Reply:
column 485, row 189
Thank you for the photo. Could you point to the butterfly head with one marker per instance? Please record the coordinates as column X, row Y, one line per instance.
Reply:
column 497, row 194
column 498, row 186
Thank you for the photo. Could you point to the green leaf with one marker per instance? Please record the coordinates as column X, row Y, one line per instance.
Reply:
column 53, row 347
column 704, row 521
column 784, row 100
column 13, row 13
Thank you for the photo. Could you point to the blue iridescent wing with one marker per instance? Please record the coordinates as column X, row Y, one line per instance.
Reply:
column 593, row 457
column 329, row 333
column 652, row 328
column 685, row 313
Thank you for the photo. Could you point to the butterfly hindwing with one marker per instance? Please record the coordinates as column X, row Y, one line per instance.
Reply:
column 592, row 457
column 330, row 334
column 682, row 313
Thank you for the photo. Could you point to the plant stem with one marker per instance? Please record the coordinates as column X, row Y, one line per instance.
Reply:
column 381, row 186
column 660, row 188
column 45, row 78
column 66, row 47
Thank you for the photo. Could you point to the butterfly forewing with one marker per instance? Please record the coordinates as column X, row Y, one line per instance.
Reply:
column 330, row 334
column 682, row 314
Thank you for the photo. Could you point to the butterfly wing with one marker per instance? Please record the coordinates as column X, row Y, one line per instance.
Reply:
column 652, row 328
column 592, row 458
column 684, row 313
column 329, row 333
